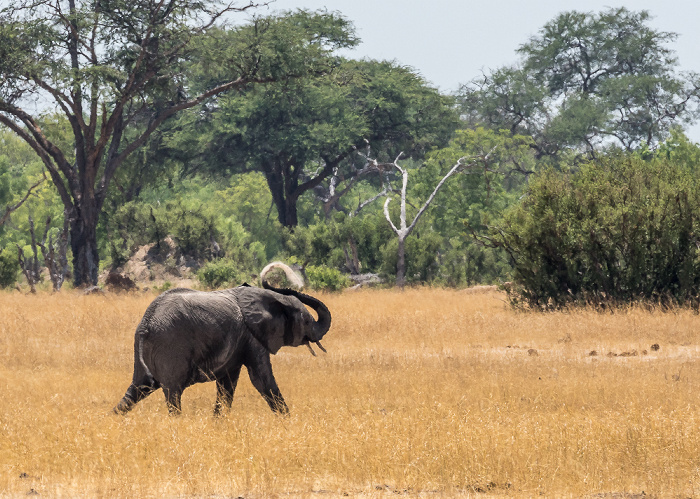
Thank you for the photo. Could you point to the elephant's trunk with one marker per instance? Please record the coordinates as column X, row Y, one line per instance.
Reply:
column 323, row 324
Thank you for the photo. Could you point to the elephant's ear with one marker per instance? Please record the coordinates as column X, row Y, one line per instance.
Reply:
column 266, row 316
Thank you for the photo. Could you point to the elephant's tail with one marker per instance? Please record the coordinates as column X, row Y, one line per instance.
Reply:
column 143, row 382
column 143, row 362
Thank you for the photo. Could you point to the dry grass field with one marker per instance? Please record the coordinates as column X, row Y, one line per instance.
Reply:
column 426, row 393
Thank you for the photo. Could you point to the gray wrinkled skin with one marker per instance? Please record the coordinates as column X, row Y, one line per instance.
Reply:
column 187, row 337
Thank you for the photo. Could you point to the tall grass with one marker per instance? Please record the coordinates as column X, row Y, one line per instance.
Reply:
column 427, row 392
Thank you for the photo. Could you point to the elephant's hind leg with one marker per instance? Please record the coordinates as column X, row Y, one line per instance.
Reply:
column 225, row 387
column 173, row 398
column 136, row 392
column 174, row 376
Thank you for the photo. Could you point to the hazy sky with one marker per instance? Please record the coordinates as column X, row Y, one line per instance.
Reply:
column 450, row 42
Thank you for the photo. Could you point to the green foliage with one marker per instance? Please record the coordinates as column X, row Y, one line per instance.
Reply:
column 247, row 202
column 678, row 149
column 621, row 230
column 326, row 278
column 126, row 67
column 276, row 47
column 331, row 242
column 498, row 166
column 224, row 273
column 588, row 79
column 239, row 246
column 20, row 169
column 192, row 226
column 5, row 182
column 166, row 286
column 9, row 268
column 299, row 132
column 199, row 213
column 136, row 224
column 128, row 228
column 441, row 249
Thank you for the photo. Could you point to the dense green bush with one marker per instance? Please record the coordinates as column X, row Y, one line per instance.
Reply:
column 461, row 261
column 621, row 230
column 333, row 242
column 192, row 226
column 197, row 216
column 222, row 273
column 135, row 224
column 326, row 278
column 9, row 268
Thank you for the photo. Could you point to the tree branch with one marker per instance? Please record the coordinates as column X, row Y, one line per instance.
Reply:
column 45, row 158
column 10, row 209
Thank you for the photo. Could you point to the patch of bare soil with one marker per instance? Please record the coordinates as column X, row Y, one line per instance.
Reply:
column 154, row 265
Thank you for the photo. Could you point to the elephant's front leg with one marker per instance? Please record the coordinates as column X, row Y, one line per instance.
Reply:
column 225, row 386
column 260, row 372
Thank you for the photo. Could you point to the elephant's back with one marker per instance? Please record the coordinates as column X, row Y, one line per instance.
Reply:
column 181, row 309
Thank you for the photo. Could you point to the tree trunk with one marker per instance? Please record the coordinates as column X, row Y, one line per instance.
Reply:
column 401, row 264
column 352, row 260
column 290, row 212
column 285, row 203
column 83, row 241
column 286, row 211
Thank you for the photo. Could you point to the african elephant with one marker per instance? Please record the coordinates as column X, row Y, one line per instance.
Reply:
column 187, row 337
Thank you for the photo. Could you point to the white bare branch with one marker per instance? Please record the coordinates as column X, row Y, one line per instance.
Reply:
column 388, row 217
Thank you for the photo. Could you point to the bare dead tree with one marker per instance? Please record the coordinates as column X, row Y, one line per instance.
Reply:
column 405, row 229
column 30, row 266
column 330, row 197
column 340, row 183
column 386, row 188
column 53, row 251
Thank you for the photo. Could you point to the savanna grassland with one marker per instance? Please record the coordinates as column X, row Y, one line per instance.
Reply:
column 426, row 393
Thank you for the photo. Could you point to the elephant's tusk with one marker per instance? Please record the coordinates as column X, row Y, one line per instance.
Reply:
column 311, row 349
column 321, row 346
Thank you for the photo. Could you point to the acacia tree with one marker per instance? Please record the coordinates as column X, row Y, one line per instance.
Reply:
column 304, row 132
column 115, row 69
column 587, row 80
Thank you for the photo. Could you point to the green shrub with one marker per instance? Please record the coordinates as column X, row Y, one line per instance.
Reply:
column 326, row 278
column 618, row 231
column 166, row 286
column 222, row 273
column 9, row 268
column 192, row 226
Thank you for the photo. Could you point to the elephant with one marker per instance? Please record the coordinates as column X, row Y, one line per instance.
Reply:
column 188, row 336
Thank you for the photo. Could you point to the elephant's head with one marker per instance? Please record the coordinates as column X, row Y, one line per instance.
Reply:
column 278, row 317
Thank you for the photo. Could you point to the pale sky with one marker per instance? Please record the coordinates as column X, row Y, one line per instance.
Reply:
column 450, row 42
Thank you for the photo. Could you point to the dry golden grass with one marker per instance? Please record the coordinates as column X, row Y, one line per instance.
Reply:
column 427, row 393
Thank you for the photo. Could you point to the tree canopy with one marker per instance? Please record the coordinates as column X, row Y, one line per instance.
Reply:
column 301, row 132
column 163, row 130
column 115, row 70
column 588, row 80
